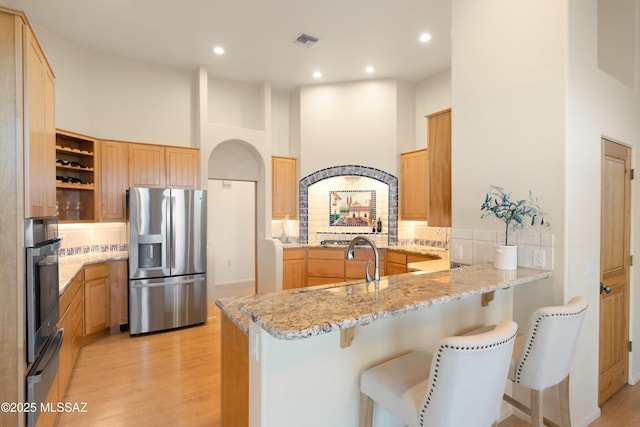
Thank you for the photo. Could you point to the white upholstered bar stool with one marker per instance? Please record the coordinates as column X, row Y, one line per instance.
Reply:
column 461, row 384
column 543, row 356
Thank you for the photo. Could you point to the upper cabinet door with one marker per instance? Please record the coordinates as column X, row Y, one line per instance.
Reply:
column 439, row 143
column 183, row 167
column 283, row 187
column 40, row 190
column 114, row 180
column 414, row 185
column 146, row 166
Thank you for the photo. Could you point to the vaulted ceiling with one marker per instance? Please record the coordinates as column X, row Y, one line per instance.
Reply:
column 259, row 35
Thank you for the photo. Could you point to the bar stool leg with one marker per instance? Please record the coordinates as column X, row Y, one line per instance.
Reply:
column 536, row 408
column 565, row 410
column 366, row 411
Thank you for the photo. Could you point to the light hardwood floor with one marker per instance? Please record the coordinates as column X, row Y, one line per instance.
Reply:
column 173, row 379
column 165, row 379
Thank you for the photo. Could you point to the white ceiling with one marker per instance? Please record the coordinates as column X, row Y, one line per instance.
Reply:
column 258, row 35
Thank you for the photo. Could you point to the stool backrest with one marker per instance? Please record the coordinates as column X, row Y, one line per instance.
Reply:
column 467, row 378
column 550, row 344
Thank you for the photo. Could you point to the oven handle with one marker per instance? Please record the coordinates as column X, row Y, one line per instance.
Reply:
column 49, row 247
column 47, row 355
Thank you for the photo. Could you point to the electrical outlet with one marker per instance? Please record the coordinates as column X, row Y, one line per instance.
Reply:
column 539, row 257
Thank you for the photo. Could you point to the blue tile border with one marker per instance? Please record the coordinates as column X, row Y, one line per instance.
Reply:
column 344, row 170
column 83, row 250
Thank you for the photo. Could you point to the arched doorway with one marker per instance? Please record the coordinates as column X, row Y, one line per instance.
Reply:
column 234, row 169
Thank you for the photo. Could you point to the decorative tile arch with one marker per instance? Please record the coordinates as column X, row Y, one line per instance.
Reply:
column 352, row 170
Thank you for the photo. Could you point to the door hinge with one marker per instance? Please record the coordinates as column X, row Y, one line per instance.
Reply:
column 630, row 346
column 633, row 174
column 631, row 260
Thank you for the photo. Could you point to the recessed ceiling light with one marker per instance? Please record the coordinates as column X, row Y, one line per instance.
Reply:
column 369, row 69
column 218, row 50
column 425, row 37
column 317, row 74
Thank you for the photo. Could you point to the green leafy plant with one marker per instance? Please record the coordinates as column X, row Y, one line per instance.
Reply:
column 515, row 213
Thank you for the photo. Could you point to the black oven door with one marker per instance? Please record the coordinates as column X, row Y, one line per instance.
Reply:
column 42, row 375
column 42, row 296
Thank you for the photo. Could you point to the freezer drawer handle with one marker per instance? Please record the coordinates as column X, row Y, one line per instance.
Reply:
column 138, row 284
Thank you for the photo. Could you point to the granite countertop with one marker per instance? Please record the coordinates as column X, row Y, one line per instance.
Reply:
column 69, row 266
column 302, row 313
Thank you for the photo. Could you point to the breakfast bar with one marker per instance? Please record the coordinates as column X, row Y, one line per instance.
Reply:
column 307, row 347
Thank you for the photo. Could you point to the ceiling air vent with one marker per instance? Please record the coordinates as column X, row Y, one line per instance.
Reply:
column 306, row 40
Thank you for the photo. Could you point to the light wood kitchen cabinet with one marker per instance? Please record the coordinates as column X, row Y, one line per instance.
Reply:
column 294, row 268
column 75, row 176
column 234, row 402
column 355, row 268
column 114, row 180
column 283, row 187
column 325, row 265
column 97, row 311
column 183, row 167
column 146, row 166
column 159, row 166
column 439, row 143
column 414, row 185
column 39, row 146
column 118, row 285
column 329, row 265
column 397, row 261
column 425, row 176
column 71, row 309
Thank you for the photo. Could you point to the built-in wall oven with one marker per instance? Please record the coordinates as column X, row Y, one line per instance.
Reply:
column 42, row 311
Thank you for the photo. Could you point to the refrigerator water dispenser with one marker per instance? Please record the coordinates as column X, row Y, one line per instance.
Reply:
column 149, row 255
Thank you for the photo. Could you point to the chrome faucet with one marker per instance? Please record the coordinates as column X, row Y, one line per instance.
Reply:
column 376, row 271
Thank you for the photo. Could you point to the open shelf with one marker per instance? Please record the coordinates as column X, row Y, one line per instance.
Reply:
column 75, row 162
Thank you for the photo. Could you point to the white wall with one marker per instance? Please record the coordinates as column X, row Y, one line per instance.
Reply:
column 529, row 112
column 280, row 124
column 114, row 97
column 433, row 94
column 231, row 233
column 508, row 125
column 349, row 123
column 234, row 103
column 600, row 106
column 405, row 119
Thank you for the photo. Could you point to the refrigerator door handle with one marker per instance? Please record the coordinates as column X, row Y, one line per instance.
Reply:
column 169, row 236
column 142, row 284
column 172, row 234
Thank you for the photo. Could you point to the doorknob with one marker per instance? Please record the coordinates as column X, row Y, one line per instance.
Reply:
column 603, row 288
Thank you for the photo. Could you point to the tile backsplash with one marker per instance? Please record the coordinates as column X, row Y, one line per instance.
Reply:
column 418, row 233
column 323, row 204
column 316, row 195
column 477, row 246
column 84, row 238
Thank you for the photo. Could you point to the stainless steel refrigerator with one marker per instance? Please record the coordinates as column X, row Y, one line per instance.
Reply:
column 167, row 258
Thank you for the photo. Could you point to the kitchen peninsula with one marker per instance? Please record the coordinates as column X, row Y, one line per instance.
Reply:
column 307, row 347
